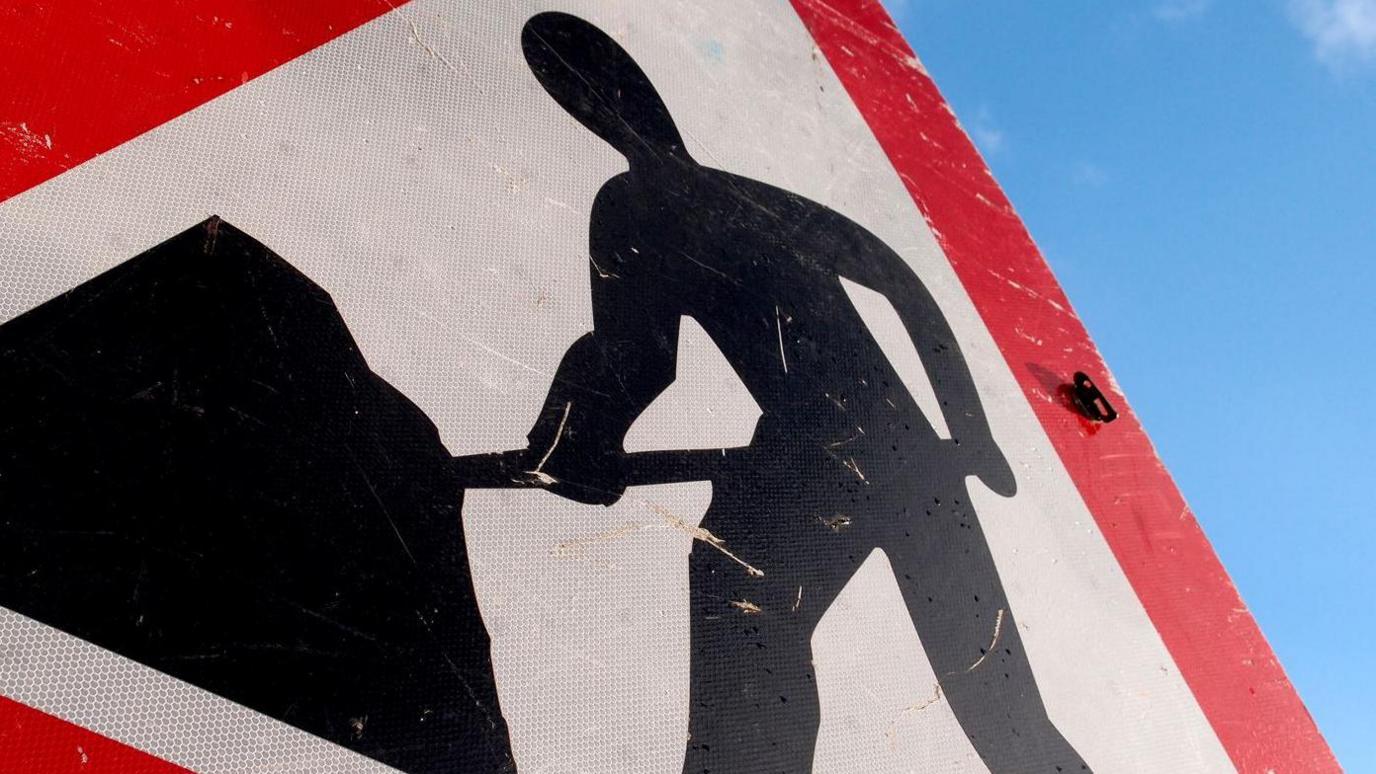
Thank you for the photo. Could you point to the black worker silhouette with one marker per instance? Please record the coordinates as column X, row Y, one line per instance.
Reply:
column 841, row 462
column 199, row 471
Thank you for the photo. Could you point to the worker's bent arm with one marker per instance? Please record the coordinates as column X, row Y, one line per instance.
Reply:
column 605, row 380
column 865, row 259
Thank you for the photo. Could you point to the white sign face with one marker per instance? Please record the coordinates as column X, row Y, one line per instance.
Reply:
column 746, row 483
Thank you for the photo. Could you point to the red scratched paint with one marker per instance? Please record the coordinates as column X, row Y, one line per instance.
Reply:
column 80, row 78
column 35, row 742
column 1215, row 642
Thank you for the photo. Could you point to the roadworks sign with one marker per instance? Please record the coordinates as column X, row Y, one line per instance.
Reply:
column 565, row 387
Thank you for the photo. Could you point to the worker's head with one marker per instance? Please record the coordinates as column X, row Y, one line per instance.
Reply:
column 598, row 83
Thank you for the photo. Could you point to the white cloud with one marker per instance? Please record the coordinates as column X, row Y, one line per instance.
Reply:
column 1343, row 32
column 989, row 140
column 1088, row 174
column 987, row 136
column 1180, row 10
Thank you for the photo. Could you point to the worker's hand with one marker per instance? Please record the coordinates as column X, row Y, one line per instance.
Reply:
column 985, row 461
column 594, row 479
column 576, row 464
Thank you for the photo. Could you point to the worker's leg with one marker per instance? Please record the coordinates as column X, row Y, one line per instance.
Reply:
column 956, row 600
column 754, row 704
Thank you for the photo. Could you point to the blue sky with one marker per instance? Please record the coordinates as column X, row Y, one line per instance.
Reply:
column 1201, row 175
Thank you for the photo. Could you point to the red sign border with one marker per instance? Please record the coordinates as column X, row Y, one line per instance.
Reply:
column 33, row 741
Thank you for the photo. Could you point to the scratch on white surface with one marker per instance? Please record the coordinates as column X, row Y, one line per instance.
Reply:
column 519, row 364
column 515, row 182
column 416, row 36
column 429, row 49
column 575, row 546
column 892, row 731
column 511, row 360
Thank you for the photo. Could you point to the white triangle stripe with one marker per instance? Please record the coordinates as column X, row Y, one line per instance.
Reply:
column 126, row 701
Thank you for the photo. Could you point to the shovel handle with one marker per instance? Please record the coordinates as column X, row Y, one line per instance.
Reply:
column 506, row 470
